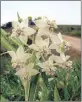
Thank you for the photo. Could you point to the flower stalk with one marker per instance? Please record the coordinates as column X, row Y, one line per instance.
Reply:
column 27, row 89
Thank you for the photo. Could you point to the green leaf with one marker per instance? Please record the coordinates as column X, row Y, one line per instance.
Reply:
column 4, row 33
column 16, row 41
column 13, row 40
column 6, row 44
column 45, row 78
column 56, row 95
column 3, row 99
column 45, row 91
column 66, row 94
column 33, row 88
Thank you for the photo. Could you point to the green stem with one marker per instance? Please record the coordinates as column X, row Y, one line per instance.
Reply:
column 27, row 88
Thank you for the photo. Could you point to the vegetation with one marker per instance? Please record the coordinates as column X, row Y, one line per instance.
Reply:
column 72, row 30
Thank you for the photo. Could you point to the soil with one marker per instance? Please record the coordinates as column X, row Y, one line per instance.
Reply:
column 75, row 49
column 74, row 41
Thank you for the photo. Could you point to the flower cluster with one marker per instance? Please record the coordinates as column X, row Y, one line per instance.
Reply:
column 44, row 40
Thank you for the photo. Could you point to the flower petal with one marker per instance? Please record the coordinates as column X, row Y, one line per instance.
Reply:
column 29, row 31
column 53, row 24
column 13, row 55
column 34, row 47
column 38, row 55
column 53, row 46
column 30, row 66
column 39, row 41
column 23, row 39
column 26, row 57
column 46, row 42
column 20, row 52
column 67, row 57
column 24, row 22
column 30, row 70
column 33, row 72
column 62, row 55
column 60, row 37
column 15, row 24
column 14, row 34
column 21, row 72
column 44, row 31
column 58, row 59
column 55, row 39
column 40, row 23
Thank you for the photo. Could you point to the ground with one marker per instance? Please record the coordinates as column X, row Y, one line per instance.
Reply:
column 75, row 42
column 75, row 49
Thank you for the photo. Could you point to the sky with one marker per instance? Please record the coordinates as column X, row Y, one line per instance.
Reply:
column 64, row 12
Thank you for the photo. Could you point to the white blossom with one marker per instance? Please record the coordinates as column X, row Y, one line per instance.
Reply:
column 22, row 30
column 58, row 43
column 45, row 26
column 27, row 71
column 40, row 46
column 19, row 57
column 47, row 65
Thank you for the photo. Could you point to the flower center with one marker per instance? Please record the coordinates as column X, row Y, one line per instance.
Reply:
column 17, row 64
column 19, row 32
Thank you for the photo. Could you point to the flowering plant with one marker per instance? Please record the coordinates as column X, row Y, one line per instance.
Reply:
column 37, row 58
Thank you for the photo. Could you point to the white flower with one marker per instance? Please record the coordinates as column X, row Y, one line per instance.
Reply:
column 22, row 30
column 45, row 32
column 19, row 57
column 60, row 59
column 44, row 22
column 47, row 65
column 53, row 24
column 40, row 45
column 27, row 71
column 41, row 23
column 58, row 43
column 45, row 26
